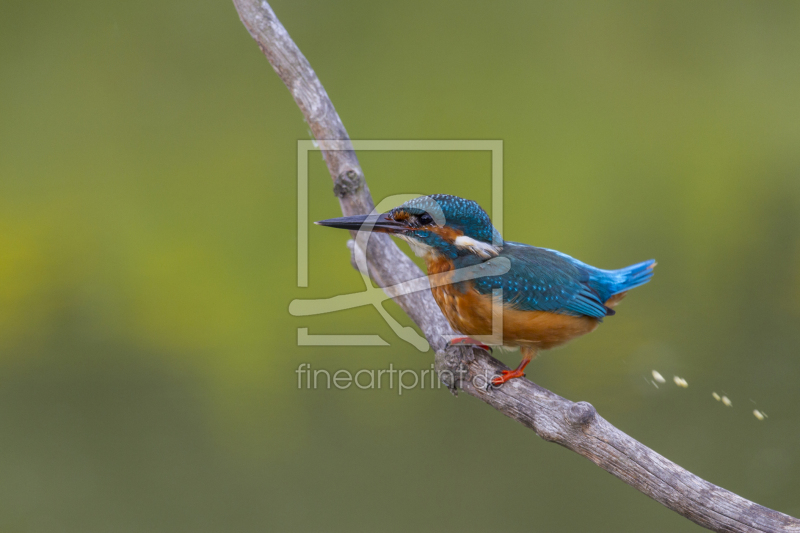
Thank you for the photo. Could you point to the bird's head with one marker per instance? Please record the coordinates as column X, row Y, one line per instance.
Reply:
column 436, row 225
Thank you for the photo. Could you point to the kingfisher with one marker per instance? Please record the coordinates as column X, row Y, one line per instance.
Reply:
column 548, row 297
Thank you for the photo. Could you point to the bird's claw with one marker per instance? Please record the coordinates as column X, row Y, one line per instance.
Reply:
column 507, row 375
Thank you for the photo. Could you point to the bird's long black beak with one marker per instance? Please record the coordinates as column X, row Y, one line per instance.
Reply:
column 380, row 223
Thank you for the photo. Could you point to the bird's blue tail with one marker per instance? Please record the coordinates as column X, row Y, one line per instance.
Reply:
column 610, row 282
column 630, row 277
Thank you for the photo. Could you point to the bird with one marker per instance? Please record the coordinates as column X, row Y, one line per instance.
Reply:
column 548, row 297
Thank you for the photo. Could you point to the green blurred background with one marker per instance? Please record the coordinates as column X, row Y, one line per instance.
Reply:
column 148, row 245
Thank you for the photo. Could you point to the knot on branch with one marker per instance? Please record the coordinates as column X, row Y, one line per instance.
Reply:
column 348, row 183
column 580, row 414
column 451, row 366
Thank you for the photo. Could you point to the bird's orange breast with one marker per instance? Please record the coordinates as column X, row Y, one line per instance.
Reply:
column 470, row 313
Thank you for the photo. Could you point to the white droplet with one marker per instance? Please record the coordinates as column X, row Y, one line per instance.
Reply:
column 658, row 377
column 758, row 414
column 716, row 396
column 726, row 401
column 680, row 382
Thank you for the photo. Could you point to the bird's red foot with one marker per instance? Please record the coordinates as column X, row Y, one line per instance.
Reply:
column 471, row 341
column 507, row 375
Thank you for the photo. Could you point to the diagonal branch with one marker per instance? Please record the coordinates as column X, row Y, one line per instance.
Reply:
column 576, row 426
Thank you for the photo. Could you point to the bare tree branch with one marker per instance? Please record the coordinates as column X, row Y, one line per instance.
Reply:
column 576, row 426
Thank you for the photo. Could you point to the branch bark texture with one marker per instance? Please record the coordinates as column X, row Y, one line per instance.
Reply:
column 576, row 426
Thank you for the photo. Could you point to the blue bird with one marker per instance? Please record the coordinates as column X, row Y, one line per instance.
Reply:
column 548, row 298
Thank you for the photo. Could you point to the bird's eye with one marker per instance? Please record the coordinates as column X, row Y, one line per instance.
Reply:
column 425, row 219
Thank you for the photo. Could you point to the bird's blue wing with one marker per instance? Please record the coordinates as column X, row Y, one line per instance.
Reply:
column 543, row 280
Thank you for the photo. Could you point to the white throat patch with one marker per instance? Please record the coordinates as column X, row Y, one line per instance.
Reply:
column 419, row 249
column 482, row 249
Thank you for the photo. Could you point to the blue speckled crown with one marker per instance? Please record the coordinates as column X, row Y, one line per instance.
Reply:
column 459, row 213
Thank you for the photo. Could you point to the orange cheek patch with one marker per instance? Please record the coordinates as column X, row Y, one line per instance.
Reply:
column 447, row 233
